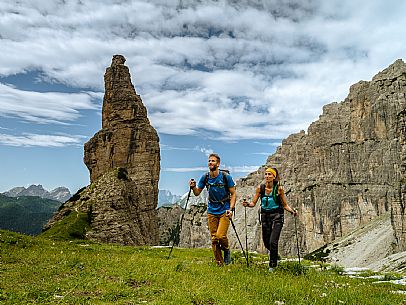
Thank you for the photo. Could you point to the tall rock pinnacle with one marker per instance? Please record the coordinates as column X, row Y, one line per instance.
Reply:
column 127, row 139
column 123, row 159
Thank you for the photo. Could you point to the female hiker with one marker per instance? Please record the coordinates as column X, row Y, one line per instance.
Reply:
column 273, row 203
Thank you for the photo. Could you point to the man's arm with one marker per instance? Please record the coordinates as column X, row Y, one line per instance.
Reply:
column 233, row 197
column 195, row 189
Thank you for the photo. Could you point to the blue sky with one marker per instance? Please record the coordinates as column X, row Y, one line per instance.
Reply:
column 232, row 77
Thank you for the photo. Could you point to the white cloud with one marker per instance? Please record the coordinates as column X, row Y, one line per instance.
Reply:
column 170, row 147
column 206, row 151
column 243, row 169
column 184, row 169
column 227, row 69
column 40, row 107
column 30, row 140
column 232, row 169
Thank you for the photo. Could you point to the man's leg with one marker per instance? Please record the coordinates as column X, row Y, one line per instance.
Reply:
column 213, row 222
column 222, row 229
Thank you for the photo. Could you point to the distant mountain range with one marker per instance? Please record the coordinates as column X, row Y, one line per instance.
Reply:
column 60, row 194
column 26, row 214
column 166, row 197
column 194, row 200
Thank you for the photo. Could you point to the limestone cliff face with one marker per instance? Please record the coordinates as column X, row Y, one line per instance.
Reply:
column 121, row 206
column 194, row 232
column 347, row 169
column 399, row 204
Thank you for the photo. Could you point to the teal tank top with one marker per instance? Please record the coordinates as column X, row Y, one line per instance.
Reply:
column 268, row 203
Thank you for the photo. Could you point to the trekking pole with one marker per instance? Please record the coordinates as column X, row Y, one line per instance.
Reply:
column 235, row 230
column 246, row 234
column 179, row 225
column 297, row 240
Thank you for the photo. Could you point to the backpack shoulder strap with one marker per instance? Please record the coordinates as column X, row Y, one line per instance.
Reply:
column 262, row 190
column 275, row 194
column 225, row 180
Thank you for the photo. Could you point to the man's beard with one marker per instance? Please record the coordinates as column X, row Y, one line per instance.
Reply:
column 213, row 169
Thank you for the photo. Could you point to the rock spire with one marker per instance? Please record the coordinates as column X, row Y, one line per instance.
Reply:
column 123, row 159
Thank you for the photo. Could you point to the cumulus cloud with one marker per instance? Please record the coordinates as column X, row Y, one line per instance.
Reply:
column 246, row 69
column 48, row 107
column 206, row 151
column 233, row 169
column 30, row 140
column 184, row 169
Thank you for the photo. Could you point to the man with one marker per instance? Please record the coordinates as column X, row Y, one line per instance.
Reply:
column 222, row 196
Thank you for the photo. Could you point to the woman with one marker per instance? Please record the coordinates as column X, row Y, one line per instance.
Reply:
column 273, row 203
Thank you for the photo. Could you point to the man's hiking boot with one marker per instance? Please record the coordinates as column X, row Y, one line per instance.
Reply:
column 271, row 269
column 227, row 257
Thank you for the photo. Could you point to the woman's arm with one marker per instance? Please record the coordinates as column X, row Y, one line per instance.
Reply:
column 255, row 199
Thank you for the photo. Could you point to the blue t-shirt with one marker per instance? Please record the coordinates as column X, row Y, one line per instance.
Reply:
column 217, row 192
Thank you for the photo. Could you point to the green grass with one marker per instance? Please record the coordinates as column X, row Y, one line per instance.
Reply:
column 37, row 270
column 72, row 226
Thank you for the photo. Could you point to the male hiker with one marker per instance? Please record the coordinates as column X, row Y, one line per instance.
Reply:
column 222, row 196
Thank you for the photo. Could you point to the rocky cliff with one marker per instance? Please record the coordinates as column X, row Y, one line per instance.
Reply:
column 347, row 169
column 123, row 159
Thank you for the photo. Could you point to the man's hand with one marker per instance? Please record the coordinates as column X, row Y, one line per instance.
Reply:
column 192, row 183
column 245, row 202
column 229, row 213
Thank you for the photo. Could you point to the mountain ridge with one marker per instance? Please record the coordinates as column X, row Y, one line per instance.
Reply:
column 60, row 193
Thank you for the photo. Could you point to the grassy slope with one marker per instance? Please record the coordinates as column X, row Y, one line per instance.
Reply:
column 36, row 270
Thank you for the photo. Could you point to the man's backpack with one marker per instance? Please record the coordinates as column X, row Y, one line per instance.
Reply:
column 225, row 173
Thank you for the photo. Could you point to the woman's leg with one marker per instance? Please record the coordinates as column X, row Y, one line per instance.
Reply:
column 266, row 229
column 277, row 224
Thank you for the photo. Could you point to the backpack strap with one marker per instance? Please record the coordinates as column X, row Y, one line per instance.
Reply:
column 262, row 190
column 275, row 194
column 225, row 183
